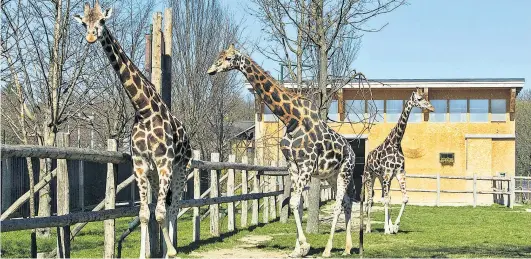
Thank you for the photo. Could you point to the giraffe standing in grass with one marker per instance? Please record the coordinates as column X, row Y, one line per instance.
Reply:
column 159, row 145
column 311, row 148
column 387, row 160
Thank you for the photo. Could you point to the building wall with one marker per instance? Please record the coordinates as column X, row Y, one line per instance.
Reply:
column 476, row 146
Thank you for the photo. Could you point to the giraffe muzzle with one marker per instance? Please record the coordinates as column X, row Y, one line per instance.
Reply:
column 212, row 70
column 91, row 38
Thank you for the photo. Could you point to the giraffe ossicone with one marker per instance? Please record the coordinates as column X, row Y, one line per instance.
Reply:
column 160, row 148
column 387, row 161
column 310, row 146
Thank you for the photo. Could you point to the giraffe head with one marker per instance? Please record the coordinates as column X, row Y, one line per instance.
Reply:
column 417, row 100
column 94, row 21
column 227, row 60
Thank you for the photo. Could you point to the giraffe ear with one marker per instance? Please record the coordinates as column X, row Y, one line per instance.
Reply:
column 231, row 47
column 78, row 18
column 107, row 13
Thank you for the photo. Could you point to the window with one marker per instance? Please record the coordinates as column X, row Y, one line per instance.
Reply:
column 333, row 111
column 479, row 110
column 376, row 109
column 415, row 115
column 498, row 108
column 394, row 109
column 458, row 109
column 355, row 110
column 441, row 107
column 446, row 158
column 268, row 115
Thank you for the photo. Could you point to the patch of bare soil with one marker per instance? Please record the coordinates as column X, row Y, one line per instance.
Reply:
column 246, row 249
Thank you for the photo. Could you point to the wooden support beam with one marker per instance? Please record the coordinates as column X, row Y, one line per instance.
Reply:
column 156, row 52
column 196, row 235
column 110, row 203
column 214, row 193
column 245, row 189
column 231, row 224
column 63, row 198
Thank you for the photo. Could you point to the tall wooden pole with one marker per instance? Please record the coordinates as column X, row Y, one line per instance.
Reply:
column 166, row 57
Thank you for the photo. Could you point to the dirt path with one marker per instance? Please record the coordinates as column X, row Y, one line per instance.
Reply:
column 248, row 244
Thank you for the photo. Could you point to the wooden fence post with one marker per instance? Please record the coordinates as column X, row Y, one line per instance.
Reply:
column 63, row 198
column 265, row 200
column 256, row 206
column 230, row 192
column 438, row 200
column 273, row 199
column 196, row 235
column 280, row 187
column 245, row 189
column 475, row 189
column 110, row 202
column 284, row 214
column 214, row 192
column 512, row 188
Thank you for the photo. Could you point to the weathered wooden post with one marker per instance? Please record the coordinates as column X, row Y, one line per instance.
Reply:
column 512, row 187
column 273, row 199
column 166, row 57
column 256, row 206
column 231, row 226
column 265, row 200
column 63, row 198
column 110, row 202
column 214, row 192
column 196, row 235
column 245, row 190
column 284, row 214
column 475, row 189
column 438, row 199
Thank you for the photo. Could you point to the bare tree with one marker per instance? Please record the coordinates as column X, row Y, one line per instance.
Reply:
column 523, row 133
column 208, row 106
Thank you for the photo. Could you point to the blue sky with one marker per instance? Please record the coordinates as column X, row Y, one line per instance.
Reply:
column 436, row 39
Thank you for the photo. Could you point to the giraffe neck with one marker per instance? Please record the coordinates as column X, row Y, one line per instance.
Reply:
column 139, row 90
column 283, row 103
column 398, row 131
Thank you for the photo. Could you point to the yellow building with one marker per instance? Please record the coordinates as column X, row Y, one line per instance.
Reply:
column 471, row 132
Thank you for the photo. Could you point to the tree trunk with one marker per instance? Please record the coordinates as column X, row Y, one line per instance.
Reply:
column 45, row 208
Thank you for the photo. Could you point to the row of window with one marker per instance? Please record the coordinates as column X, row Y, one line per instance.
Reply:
column 445, row 110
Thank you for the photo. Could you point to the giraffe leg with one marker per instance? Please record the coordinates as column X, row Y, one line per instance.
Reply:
column 347, row 207
column 342, row 198
column 401, row 177
column 165, row 171
column 178, row 184
column 141, row 169
column 369, row 185
column 299, row 180
column 386, row 201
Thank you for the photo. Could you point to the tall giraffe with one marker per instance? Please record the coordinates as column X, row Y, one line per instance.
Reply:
column 387, row 160
column 311, row 148
column 158, row 140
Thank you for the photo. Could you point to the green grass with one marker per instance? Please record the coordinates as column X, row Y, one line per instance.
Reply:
column 493, row 231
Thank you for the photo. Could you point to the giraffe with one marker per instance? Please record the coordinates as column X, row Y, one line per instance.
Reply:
column 310, row 146
column 387, row 160
column 160, row 148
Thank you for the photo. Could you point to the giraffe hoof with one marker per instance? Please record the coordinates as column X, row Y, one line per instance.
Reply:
column 394, row 229
column 171, row 253
column 346, row 252
column 300, row 251
column 326, row 254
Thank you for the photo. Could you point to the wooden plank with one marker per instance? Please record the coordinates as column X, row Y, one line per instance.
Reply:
column 70, row 153
column 63, row 199
column 475, row 190
column 110, row 203
column 245, row 190
column 438, row 200
column 256, row 190
column 231, row 224
column 272, row 200
column 265, row 200
column 167, row 57
column 196, row 222
column 214, row 192
column 91, row 216
column 237, row 166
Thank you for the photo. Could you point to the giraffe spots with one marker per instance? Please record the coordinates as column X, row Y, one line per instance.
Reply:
column 142, row 101
column 329, row 155
column 249, row 70
column 132, row 90
column 136, row 79
column 292, row 125
column 275, row 96
column 278, row 111
column 159, row 133
column 313, row 138
column 157, row 121
column 112, row 57
column 160, row 150
column 296, row 113
column 287, row 107
column 141, row 145
column 139, row 171
column 296, row 143
column 109, row 49
column 267, row 85
column 170, row 152
column 139, row 134
column 285, row 97
column 307, row 124
column 247, row 62
column 154, row 106
column 163, row 172
column 125, row 75
column 267, row 99
column 108, row 40
column 262, row 78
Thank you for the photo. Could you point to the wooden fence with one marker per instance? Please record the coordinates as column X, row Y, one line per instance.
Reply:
column 270, row 184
